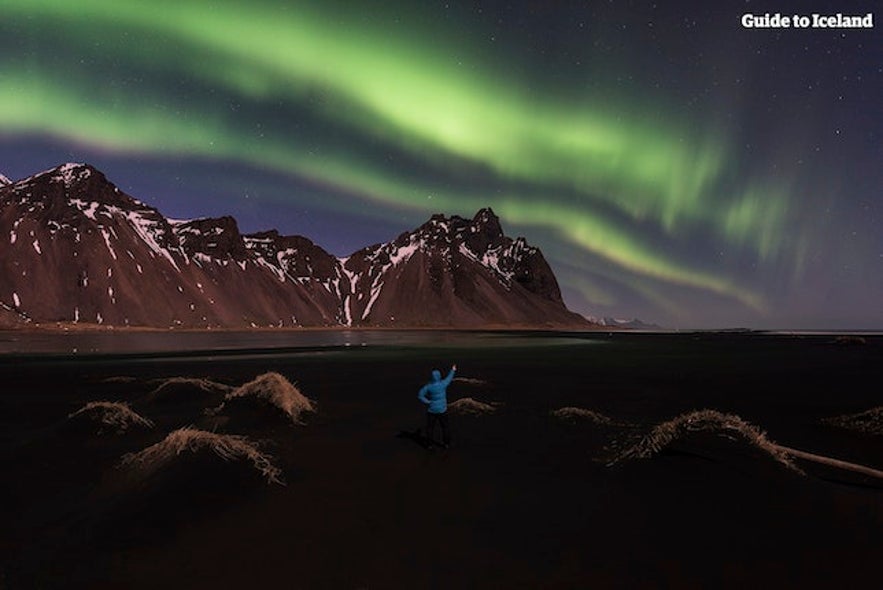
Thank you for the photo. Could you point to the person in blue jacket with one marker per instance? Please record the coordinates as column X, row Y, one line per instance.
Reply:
column 435, row 395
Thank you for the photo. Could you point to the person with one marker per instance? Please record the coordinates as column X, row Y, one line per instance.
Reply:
column 435, row 395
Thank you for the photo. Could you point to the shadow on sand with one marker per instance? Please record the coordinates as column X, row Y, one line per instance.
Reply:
column 418, row 438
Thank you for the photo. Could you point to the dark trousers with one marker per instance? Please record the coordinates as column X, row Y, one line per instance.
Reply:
column 442, row 419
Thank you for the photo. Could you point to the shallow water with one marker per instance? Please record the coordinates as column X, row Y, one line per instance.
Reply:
column 126, row 342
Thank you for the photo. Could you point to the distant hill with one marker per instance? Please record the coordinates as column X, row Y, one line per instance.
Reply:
column 81, row 250
column 632, row 324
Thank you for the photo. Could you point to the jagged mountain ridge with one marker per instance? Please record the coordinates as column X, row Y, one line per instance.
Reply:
column 467, row 270
column 77, row 249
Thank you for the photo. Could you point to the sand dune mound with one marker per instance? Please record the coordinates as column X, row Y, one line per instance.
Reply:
column 574, row 414
column 867, row 422
column 185, row 388
column 268, row 390
column 682, row 427
column 116, row 417
column 472, row 407
column 189, row 476
column 190, row 441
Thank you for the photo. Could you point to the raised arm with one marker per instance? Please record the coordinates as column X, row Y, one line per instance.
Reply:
column 450, row 377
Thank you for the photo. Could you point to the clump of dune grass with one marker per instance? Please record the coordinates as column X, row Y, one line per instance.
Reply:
column 173, row 385
column 867, row 422
column 473, row 407
column 189, row 440
column 727, row 425
column 275, row 390
column 850, row 340
column 116, row 416
column 119, row 379
column 573, row 414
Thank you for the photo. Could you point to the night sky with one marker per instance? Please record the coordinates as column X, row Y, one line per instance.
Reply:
column 671, row 164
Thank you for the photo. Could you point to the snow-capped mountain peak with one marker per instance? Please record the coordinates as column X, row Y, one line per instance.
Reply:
column 73, row 172
column 69, row 175
column 94, row 254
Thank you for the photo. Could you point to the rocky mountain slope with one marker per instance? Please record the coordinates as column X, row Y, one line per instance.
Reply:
column 74, row 248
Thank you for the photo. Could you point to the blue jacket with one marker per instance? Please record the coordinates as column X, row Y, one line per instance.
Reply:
column 435, row 393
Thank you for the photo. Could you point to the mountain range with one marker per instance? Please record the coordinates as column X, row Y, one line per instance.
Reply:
column 76, row 249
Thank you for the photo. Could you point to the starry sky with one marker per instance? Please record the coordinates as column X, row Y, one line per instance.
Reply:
column 671, row 164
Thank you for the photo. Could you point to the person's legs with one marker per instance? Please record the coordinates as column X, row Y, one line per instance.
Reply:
column 430, row 424
column 446, row 430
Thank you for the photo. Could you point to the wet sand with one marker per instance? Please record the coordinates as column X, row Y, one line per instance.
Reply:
column 522, row 500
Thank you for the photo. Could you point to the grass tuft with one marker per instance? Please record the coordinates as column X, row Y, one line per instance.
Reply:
column 174, row 385
column 473, row 407
column 573, row 414
column 727, row 425
column 867, row 422
column 117, row 416
column 189, row 440
column 276, row 390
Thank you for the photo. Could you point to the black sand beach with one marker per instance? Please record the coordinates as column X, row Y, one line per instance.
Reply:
column 523, row 499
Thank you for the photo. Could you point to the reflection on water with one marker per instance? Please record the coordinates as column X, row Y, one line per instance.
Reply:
column 129, row 342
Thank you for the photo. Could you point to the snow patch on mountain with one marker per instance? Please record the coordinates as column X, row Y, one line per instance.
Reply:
column 87, row 209
column 72, row 172
column 500, row 260
column 376, row 288
column 146, row 223
column 68, row 174
column 106, row 235
column 276, row 270
column 404, row 253
column 150, row 231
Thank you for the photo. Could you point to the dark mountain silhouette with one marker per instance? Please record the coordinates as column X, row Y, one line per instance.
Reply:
column 77, row 249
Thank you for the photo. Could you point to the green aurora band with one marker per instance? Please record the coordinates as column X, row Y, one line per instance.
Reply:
column 586, row 171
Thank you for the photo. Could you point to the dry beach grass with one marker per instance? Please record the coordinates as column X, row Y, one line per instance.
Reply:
column 273, row 389
column 188, row 441
column 116, row 416
column 867, row 422
column 727, row 425
column 470, row 406
column 572, row 414
column 173, row 386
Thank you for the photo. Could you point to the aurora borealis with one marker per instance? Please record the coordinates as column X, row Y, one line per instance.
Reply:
column 671, row 164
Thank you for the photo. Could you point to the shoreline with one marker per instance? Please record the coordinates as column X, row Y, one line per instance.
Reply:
column 61, row 328
column 82, row 328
